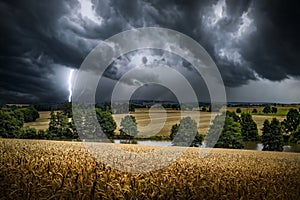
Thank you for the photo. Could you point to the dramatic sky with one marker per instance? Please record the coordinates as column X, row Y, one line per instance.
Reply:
column 255, row 44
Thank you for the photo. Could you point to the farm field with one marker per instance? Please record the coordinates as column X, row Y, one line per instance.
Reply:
column 32, row 169
column 41, row 123
column 173, row 117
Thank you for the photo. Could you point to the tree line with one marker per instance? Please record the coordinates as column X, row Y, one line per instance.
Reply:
column 235, row 129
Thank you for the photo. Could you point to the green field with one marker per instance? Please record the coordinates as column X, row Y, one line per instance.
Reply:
column 282, row 110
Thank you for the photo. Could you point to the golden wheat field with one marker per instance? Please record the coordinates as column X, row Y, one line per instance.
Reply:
column 32, row 169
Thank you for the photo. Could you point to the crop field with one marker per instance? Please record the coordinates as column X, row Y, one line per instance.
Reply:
column 32, row 169
column 172, row 117
column 41, row 123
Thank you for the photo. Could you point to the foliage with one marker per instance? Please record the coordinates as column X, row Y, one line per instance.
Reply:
column 254, row 110
column 28, row 133
column 19, row 115
column 60, row 127
column 291, row 122
column 203, row 109
column 30, row 114
column 107, row 122
column 230, row 136
column 249, row 128
column 209, row 109
column 295, row 137
column 128, row 126
column 233, row 115
column 272, row 137
column 67, row 109
column 197, row 142
column 131, row 107
column 274, row 110
column 174, row 131
column 267, row 109
column 107, row 107
column 186, row 133
column 10, row 125
column 238, row 110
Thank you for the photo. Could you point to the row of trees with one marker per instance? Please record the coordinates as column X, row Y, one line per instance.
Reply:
column 12, row 121
column 234, row 132
column 273, row 132
column 267, row 109
column 236, row 129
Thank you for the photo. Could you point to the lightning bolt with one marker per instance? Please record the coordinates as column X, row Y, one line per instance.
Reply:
column 70, row 84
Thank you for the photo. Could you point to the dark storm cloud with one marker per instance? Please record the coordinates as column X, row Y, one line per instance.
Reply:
column 274, row 51
column 248, row 40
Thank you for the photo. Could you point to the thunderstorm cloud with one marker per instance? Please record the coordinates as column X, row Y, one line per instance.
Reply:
column 254, row 43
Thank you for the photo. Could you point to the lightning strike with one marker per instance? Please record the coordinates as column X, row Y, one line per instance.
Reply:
column 70, row 84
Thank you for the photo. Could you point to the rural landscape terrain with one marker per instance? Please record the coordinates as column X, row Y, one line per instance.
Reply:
column 150, row 99
column 43, row 169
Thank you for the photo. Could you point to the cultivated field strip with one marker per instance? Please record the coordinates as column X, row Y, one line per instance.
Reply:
column 64, row 170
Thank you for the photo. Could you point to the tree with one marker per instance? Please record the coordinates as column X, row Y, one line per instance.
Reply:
column 131, row 107
column 28, row 133
column 238, row 110
column 209, row 109
column 72, row 131
column 19, row 115
column 107, row 107
column 42, row 134
column 186, row 133
column 249, row 128
column 233, row 115
column 197, row 142
column 129, row 126
column 230, row 133
column 254, row 110
column 9, row 125
column 274, row 110
column 107, row 122
column 174, row 131
column 67, row 109
column 272, row 137
column 291, row 122
column 295, row 137
column 267, row 109
column 30, row 114
column 58, row 125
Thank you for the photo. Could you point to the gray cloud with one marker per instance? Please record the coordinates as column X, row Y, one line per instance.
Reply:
column 248, row 40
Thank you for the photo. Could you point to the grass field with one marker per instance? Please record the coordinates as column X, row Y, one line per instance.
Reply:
column 65, row 170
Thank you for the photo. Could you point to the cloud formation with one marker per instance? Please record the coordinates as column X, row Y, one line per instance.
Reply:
column 41, row 41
